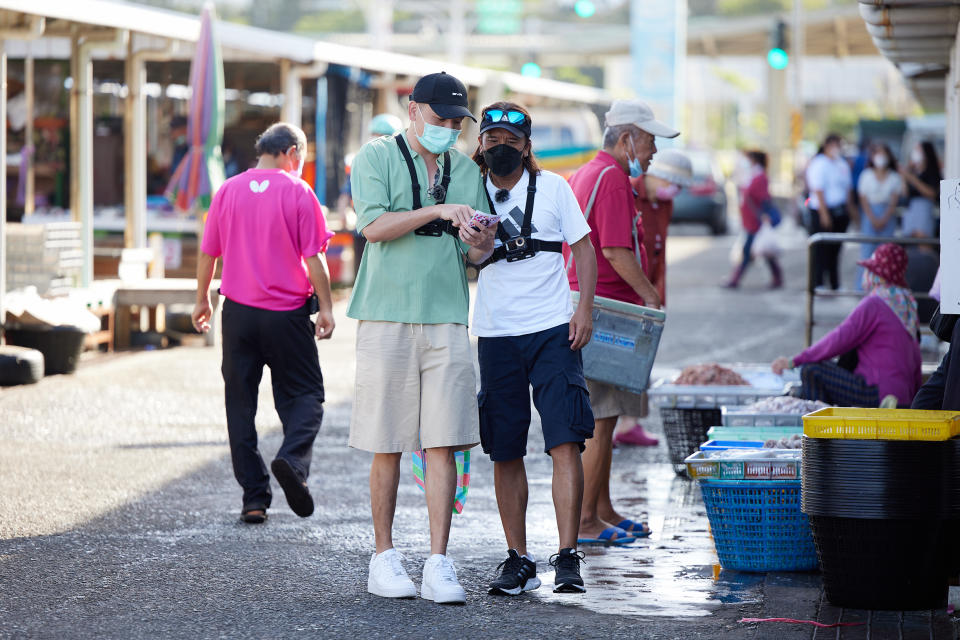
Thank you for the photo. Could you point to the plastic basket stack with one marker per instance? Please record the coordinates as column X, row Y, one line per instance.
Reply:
column 882, row 490
column 753, row 504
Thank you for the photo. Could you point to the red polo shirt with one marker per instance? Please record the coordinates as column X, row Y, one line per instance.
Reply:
column 612, row 223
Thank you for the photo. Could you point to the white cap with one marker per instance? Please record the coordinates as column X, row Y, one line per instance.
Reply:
column 672, row 166
column 638, row 113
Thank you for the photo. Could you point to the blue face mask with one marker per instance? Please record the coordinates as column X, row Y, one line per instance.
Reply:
column 436, row 139
column 636, row 169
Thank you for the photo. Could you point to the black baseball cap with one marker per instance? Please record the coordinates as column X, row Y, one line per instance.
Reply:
column 445, row 94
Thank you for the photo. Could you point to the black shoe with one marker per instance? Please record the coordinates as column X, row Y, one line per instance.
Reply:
column 298, row 496
column 519, row 574
column 567, row 565
column 254, row 515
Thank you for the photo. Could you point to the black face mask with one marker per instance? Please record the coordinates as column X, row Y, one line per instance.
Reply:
column 502, row 159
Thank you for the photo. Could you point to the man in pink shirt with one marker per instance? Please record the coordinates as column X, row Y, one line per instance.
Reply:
column 269, row 229
column 603, row 189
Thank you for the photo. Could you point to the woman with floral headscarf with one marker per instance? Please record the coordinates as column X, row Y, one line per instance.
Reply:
column 883, row 333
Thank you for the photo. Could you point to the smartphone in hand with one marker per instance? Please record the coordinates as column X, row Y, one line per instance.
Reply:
column 481, row 219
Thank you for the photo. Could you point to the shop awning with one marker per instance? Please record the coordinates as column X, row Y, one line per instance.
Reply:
column 917, row 38
column 262, row 44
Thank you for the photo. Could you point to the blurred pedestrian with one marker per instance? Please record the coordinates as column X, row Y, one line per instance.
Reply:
column 754, row 201
column 267, row 225
column 530, row 336
column 603, row 189
column 382, row 124
column 922, row 178
column 879, row 193
column 654, row 191
column 941, row 391
column 416, row 388
column 880, row 335
column 832, row 206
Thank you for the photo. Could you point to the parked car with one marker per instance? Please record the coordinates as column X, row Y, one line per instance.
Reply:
column 705, row 201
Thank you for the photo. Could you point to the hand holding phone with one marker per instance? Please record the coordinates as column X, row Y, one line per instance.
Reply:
column 481, row 219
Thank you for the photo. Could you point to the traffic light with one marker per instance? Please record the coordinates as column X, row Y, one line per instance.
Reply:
column 584, row 8
column 531, row 70
column 777, row 56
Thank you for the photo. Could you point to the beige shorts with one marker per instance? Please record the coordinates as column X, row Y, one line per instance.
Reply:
column 608, row 401
column 415, row 389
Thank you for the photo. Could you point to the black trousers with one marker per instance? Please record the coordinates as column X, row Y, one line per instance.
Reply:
column 283, row 341
column 826, row 257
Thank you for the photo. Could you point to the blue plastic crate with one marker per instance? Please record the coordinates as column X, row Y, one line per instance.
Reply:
column 758, row 526
column 719, row 445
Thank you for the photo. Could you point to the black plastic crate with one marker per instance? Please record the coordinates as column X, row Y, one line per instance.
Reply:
column 882, row 564
column 686, row 430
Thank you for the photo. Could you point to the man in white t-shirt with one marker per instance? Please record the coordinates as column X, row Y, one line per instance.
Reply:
column 530, row 335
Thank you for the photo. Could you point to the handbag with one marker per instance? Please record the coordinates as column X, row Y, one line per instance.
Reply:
column 765, row 244
column 942, row 324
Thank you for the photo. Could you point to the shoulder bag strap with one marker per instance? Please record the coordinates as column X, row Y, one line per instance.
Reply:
column 528, row 208
column 589, row 208
column 413, row 171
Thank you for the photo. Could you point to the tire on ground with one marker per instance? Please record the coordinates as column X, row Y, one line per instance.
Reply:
column 20, row 365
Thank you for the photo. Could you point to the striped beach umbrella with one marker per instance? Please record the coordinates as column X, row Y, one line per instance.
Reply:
column 200, row 172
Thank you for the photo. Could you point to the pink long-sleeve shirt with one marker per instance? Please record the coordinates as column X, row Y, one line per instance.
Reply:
column 888, row 356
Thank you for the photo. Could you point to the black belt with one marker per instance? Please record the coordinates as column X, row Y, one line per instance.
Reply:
column 521, row 248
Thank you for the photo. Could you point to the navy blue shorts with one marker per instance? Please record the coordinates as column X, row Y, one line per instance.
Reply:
column 509, row 365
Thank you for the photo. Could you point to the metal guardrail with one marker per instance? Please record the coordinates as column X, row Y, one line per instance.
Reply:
column 840, row 238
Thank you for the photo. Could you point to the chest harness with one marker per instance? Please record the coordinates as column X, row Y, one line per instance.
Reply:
column 522, row 246
column 438, row 227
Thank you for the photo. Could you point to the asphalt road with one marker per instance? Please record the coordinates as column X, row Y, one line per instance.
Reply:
column 118, row 508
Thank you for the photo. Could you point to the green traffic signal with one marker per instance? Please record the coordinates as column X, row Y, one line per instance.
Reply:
column 531, row 70
column 777, row 58
column 584, row 8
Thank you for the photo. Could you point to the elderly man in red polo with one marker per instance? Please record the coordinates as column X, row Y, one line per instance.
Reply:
column 603, row 189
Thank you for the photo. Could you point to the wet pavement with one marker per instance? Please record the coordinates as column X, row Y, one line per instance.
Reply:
column 118, row 512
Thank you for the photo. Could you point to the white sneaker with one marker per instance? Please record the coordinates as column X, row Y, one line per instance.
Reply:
column 388, row 578
column 440, row 581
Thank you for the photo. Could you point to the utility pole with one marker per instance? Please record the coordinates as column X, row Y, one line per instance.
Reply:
column 379, row 17
column 777, row 107
column 457, row 32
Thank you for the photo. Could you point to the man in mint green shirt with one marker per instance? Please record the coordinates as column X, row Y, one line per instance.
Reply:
column 415, row 387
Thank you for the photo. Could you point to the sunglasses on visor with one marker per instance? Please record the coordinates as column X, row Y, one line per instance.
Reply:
column 499, row 115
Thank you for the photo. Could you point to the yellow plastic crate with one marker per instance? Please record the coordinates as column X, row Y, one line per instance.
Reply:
column 881, row 424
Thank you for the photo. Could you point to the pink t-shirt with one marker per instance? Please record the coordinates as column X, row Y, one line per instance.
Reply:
column 264, row 222
column 613, row 221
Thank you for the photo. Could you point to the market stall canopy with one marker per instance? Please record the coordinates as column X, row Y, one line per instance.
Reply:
column 917, row 37
column 252, row 43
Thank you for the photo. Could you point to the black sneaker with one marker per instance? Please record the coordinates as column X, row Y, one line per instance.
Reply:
column 519, row 574
column 567, row 565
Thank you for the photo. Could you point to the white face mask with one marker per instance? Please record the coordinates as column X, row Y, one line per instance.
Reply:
column 880, row 161
column 917, row 157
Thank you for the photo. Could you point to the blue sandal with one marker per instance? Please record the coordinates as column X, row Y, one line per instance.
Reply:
column 607, row 537
column 635, row 529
